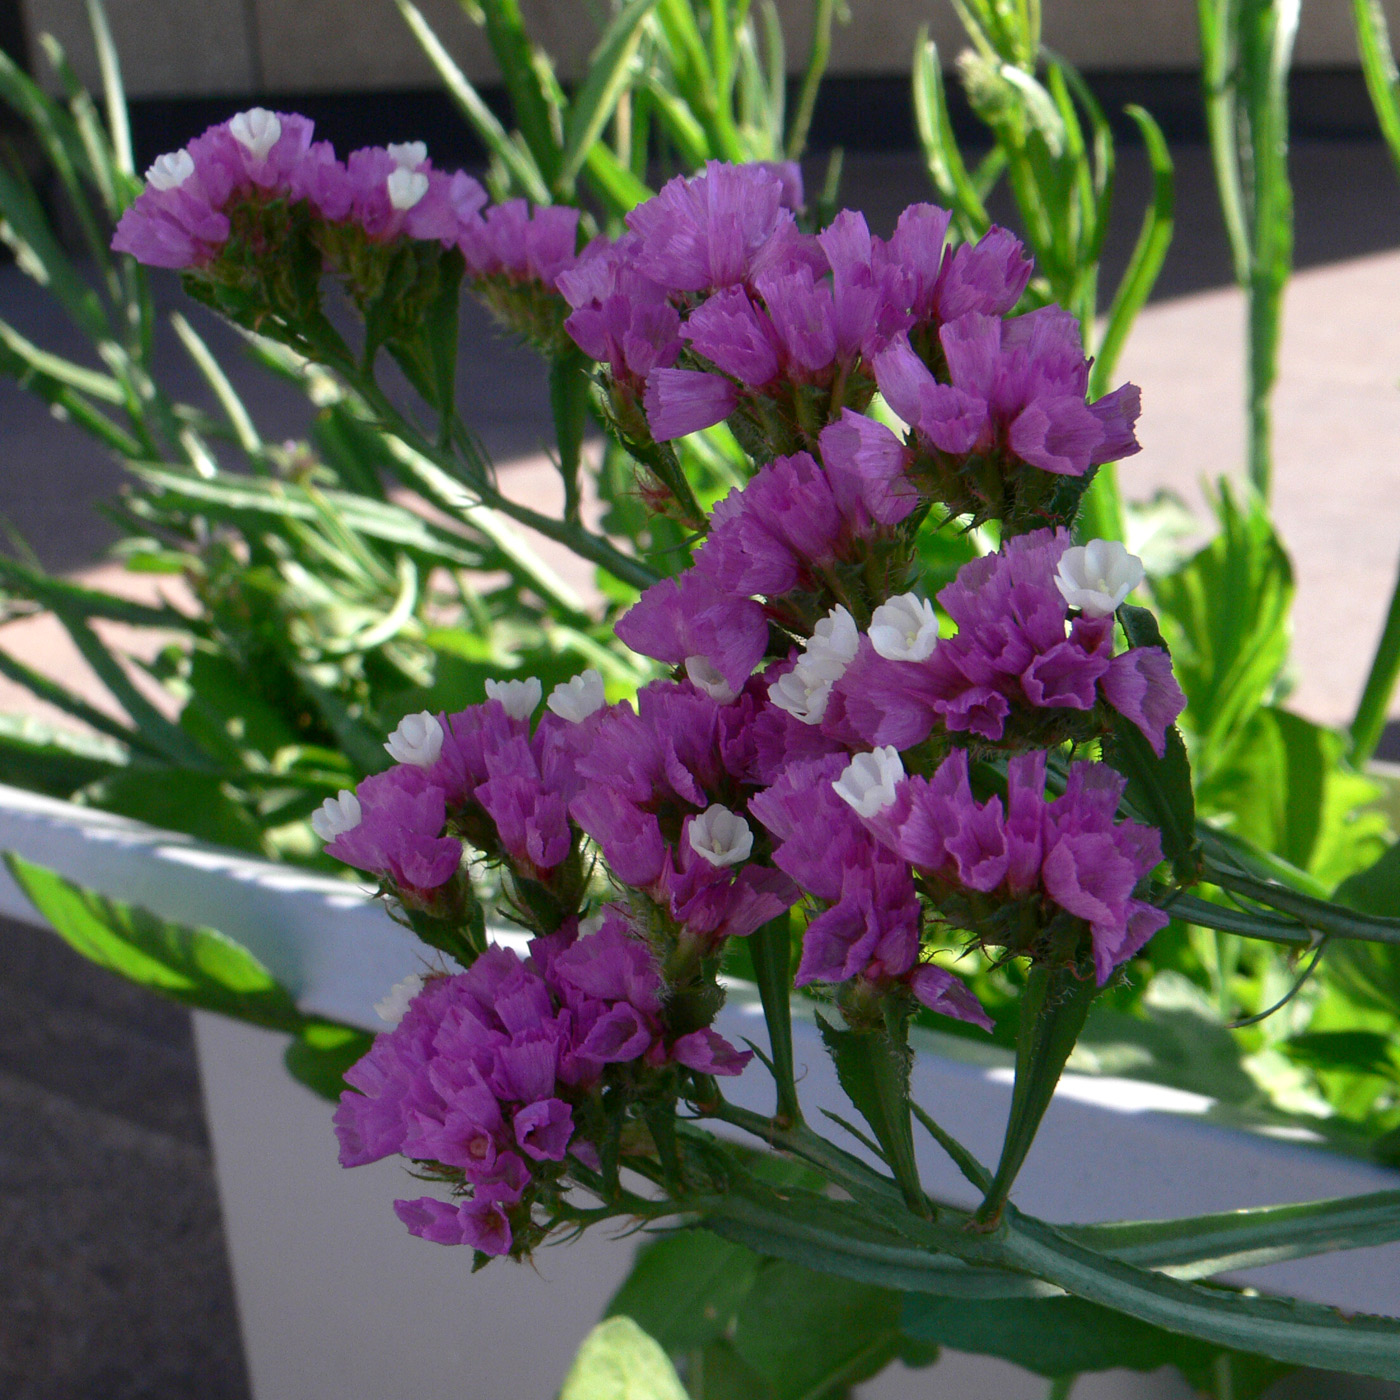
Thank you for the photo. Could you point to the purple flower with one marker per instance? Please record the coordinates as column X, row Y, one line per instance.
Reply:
column 620, row 317
column 708, row 1052
column 1140, row 685
column 682, row 401
column 737, row 337
column 391, row 198
column 543, row 1129
column 1071, row 852
column 399, row 834
column 697, row 615
column 1017, row 388
column 940, row 991
column 511, row 241
column 708, row 232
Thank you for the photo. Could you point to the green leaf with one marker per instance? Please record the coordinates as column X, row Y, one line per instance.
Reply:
column 320, row 1054
column 518, row 161
column 942, row 158
column 1283, row 785
column 686, row 1288
column 1226, row 614
column 1055, row 1005
column 228, row 714
column 770, row 948
column 873, row 1068
column 1160, row 788
column 54, row 761
column 608, row 67
column 197, row 966
column 523, row 69
column 1245, row 1239
column 618, row 1361
column 811, row 1336
column 1066, row 1336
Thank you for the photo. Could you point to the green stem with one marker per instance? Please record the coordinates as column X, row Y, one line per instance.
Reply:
column 1380, row 685
column 771, row 950
column 817, row 58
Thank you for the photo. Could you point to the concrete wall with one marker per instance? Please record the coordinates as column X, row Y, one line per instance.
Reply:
column 178, row 48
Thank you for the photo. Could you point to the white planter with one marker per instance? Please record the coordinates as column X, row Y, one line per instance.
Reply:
column 336, row 1300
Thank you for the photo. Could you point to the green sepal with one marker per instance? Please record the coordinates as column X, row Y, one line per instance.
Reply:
column 873, row 1067
column 1054, row 1008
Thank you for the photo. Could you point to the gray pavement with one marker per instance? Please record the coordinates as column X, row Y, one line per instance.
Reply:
column 113, row 1281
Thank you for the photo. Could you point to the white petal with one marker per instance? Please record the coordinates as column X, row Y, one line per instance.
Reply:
column 704, row 675
column 257, row 130
column 519, row 698
column 170, row 171
column 579, row 697
column 408, row 154
column 1097, row 577
column 336, row 815
column 720, row 836
column 406, row 188
column 418, row 740
column 904, row 628
column 871, row 781
column 391, row 1008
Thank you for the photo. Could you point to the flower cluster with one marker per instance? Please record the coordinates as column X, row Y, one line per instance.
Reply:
column 832, row 752
column 496, row 1075
column 225, row 206
column 1004, row 871
column 1018, row 670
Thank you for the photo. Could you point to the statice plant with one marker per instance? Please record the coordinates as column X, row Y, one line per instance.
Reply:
column 838, row 781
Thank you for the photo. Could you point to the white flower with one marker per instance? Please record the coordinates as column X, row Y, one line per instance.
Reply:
column 904, row 628
column 392, row 1007
column 1096, row 577
column 406, row 187
column 870, row 781
column 720, row 836
column 704, row 675
column 257, row 130
column 805, row 690
column 170, row 171
column 519, row 697
column 336, row 815
column 418, row 739
column 576, row 699
column 407, row 154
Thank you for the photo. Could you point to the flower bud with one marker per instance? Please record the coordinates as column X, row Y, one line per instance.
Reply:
column 579, row 697
column 336, row 815
column 871, row 781
column 417, row 740
column 519, row 698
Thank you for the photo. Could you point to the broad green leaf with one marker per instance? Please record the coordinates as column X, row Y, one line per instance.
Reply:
column 321, row 1052
column 1225, row 613
column 812, row 1336
column 1066, row 1336
column 686, row 1289
column 47, row 759
column 227, row 713
column 1370, row 972
column 608, row 68
column 197, row 966
column 618, row 1361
